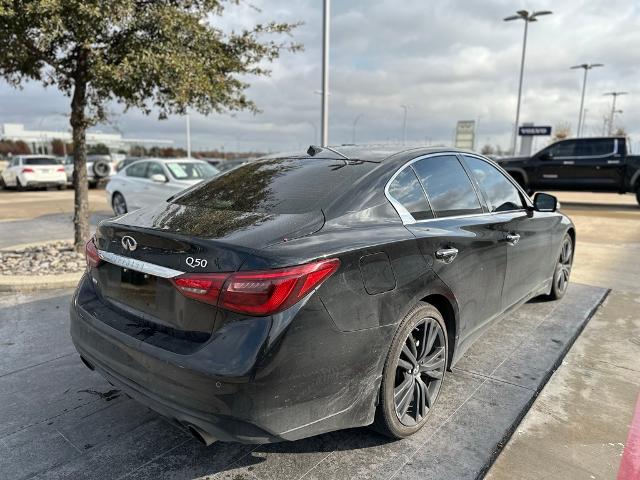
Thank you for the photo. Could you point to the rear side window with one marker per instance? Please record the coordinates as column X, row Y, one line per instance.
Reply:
column 588, row 148
column 137, row 170
column 406, row 190
column 447, row 185
column 282, row 185
column 501, row 193
column 40, row 161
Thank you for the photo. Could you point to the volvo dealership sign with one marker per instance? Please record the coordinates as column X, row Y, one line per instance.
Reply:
column 530, row 131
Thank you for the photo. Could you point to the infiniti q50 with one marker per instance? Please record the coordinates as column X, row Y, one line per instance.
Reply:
column 305, row 293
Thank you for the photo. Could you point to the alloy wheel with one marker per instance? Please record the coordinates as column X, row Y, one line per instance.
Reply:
column 119, row 204
column 563, row 269
column 419, row 372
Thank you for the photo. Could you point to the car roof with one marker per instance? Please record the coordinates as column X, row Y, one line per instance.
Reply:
column 368, row 153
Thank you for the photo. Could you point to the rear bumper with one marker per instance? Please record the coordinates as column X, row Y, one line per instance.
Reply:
column 255, row 381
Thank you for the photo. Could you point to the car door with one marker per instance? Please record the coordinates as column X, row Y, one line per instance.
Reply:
column 597, row 165
column 155, row 192
column 133, row 184
column 9, row 174
column 555, row 166
column 525, row 232
column 459, row 240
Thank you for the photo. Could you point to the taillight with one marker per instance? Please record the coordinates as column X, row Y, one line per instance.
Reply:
column 28, row 170
column 91, row 254
column 205, row 287
column 257, row 293
column 60, row 169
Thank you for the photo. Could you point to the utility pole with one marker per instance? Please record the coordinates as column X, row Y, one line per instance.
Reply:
column 404, row 124
column 325, row 72
column 586, row 67
column 613, row 108
column 355, row 122
column 188, row 135
column 527, row 17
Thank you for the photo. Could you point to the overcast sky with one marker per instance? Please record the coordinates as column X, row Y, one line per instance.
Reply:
column 447, row 60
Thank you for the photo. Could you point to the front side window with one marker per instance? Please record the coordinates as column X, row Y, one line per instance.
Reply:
column 500, row 192
column 406, row 190
column 448, row 187
column 155, row 169
column 138, row 170
column 563, row 149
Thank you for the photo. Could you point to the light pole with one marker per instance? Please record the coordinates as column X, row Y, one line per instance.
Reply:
column 527, row 17
column 613, row 108
column 586, row 67
column 355, row 122
column 584, row 120
column 188, row 135
column 325, row 72
column 404, row 124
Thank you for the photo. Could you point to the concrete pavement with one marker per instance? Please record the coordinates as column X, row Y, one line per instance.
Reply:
column 578, row 426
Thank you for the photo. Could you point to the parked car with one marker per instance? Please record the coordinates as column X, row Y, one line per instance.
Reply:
column 151, row 181
column 34, row 171
column 214, row 162
column 598, row 164
column 301, row 294
column 99, row 167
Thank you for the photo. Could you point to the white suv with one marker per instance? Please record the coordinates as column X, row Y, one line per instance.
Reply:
column 25, row 171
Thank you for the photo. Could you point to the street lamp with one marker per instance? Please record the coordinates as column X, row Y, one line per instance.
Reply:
column 586, row 67
column 188, row 135
column 355, row 122
column 613, row 108
column 404, row 124
column 527, row 17
column 325, row 72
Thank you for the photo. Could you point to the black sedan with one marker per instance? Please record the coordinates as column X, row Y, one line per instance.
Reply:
column 306, row 293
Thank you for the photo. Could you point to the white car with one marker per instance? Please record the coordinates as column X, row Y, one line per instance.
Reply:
column 26, row 171
column 153, row 180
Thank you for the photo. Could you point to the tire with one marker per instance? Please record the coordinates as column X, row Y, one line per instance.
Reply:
column 638, row 195
column 398, row 416
column 101, row 169
column 119, row 204
column 562, row 270
column 19, row 186
column 62, row 187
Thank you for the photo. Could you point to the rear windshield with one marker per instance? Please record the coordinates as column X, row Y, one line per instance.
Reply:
column 40, row 161
column 191, row 170
column 277, row 186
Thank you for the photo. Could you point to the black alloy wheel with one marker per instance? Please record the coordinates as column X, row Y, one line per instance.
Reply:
column 414, row 372
column 563, row 269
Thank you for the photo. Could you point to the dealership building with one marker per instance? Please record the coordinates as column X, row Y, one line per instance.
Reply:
column 40, row 140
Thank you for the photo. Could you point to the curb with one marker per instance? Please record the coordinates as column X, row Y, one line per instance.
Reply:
column 31, row 283
column 33, row 244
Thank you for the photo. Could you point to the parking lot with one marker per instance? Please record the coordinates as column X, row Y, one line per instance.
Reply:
column 61, row 420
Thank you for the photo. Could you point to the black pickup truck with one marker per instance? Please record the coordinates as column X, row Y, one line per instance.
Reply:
column 598, row 164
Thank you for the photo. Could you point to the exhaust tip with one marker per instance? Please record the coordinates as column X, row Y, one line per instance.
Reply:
column 201, row 436
column 86, row 363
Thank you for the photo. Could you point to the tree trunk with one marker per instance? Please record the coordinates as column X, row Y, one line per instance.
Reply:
column 79, row 125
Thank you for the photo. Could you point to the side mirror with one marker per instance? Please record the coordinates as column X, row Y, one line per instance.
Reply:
column 543, row 202
column 158, row 177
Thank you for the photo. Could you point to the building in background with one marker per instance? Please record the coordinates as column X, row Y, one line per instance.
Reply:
column 39, row 141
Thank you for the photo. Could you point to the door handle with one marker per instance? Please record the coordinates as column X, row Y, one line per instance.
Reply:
column 447, row 255
column 513, row 238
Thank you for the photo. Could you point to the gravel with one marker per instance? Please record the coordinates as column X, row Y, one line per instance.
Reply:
column 47, row 259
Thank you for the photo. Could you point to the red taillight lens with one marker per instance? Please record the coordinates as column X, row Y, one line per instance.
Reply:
column 28, row 170
column 91, row 254
column 204, row 287
column 257, row 293
column 61, row 169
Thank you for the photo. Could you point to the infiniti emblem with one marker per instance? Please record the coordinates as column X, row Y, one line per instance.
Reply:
column 129, row 243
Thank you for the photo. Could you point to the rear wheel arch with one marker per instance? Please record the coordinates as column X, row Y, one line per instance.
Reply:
column 448, row 312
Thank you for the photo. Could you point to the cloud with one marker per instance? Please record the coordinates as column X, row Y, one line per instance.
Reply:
column 447, row 61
